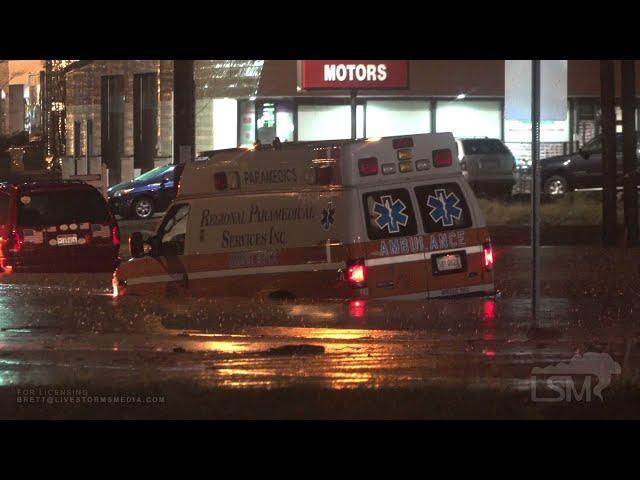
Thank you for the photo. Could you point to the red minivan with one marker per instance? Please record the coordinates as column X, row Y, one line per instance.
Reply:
column 58, row 226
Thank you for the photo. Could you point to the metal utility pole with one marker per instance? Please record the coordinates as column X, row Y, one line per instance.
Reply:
column 535, row 188
column 629, row 152
column 354, row 133
column 184, row 111
column 608, row 109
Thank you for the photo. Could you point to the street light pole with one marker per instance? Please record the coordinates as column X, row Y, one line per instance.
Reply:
column 184, row 111
column 629, row 148
column 607, row 102
column 535, row 188
column 354, row 111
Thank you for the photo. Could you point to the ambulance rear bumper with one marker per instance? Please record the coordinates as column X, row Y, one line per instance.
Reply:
column 487, row 289
column 484, row 290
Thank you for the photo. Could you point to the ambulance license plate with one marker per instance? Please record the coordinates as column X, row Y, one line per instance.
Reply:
column 64, row 240
column 449, row 262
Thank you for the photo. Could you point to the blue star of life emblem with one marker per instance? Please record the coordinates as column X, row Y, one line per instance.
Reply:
column 444, row 207
column 327, row 216
column 390, row 214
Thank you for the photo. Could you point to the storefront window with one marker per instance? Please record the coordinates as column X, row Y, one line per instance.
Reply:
column 266, row 122
column 469, row 118
column 324, row 122
column 225, row 123
column 284, row 121
column 359, row 121
column 247, row 123
column 397, row 117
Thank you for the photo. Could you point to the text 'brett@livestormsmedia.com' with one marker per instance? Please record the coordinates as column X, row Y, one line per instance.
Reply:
column 80, row 396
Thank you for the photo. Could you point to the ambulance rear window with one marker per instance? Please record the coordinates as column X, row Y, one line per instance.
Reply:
column 443, row 207
column 389, row 213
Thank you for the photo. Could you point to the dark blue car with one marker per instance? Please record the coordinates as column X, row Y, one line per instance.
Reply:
column 151, row 192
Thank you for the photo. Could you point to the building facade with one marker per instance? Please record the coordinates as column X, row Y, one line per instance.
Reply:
column 21, row 97
column 120, row 112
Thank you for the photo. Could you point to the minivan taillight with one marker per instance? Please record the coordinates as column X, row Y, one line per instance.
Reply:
column 14, row 242
column 357, row 274
column 115, row 236
column 488, row 256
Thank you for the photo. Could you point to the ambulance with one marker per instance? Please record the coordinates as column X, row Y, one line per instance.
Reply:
column 385, row 218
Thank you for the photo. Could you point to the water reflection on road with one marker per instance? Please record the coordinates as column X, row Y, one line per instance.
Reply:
column 72, row 330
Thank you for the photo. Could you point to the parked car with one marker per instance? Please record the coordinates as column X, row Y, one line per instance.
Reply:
column 56, row 226
column 147, row 194
column 579, row 170
column 487, row 164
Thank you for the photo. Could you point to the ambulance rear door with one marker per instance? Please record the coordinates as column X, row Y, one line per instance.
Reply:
column 453, row 249
column 395, row 257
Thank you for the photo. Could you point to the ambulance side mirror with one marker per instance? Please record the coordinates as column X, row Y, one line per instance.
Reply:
column 136, row 245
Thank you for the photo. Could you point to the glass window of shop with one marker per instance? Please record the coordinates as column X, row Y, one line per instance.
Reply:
column 397, row 117
column 247, row 129
column 222, row 120
column 266, row 122
column 285, row 127
column 225, row 123
column 469, row 118
column 587, row 122
column 274, row 119
column 324, row 122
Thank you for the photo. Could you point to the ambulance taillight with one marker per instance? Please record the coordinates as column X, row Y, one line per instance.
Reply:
column 357, row 274
column 226, row 180
column 488, row 256
column 14, row 242
column 442, row 158
column 422, row 165
column 220, row 181
column 115, row 236
column 405, row 154
column 368, row 166
column 406, row 167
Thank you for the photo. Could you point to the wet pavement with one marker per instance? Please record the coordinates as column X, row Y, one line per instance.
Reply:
column 68, row 349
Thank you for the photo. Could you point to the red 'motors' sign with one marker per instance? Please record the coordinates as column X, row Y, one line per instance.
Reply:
column 353, row 74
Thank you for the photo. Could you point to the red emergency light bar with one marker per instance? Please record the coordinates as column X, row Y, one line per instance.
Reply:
column 406, row 142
